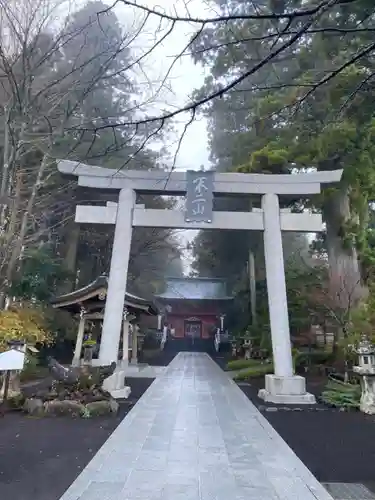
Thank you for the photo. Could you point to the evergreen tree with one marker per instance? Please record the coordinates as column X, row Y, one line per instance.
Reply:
column 295, row 113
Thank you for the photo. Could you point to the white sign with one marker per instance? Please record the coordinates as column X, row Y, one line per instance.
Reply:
column 12, row 360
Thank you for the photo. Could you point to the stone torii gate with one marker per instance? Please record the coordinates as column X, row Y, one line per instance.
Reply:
column 281, row 387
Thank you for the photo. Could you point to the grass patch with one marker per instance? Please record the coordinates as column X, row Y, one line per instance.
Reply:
column 255, row 371
column 313, row 357
column 240, row 364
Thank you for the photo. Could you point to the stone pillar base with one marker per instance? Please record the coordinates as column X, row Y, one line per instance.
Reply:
column 115, row 385
column 286, row 390
column 123, row 393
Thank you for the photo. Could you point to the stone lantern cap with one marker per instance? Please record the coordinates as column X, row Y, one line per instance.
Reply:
column 365, row 347
column 15, row 343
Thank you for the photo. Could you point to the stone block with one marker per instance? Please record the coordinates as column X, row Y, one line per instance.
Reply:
column 104, row 407
column 98, row 490
column 115, row 385
column 34, row 406
column 286, row 390
column 67, row 407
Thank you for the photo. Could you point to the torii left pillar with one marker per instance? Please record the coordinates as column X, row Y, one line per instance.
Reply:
column 114, row 307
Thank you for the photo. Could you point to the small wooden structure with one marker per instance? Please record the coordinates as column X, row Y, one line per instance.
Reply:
column 89, row 303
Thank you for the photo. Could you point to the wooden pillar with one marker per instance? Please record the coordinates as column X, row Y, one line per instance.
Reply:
column 134, row 359
column 125, row 339
column 252, row 286
column 79, row 341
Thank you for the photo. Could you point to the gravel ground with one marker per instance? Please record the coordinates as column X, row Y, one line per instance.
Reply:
column 40, row 458
column 336, row 446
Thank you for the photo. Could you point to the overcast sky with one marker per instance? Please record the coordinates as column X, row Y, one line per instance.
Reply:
column 181, row 82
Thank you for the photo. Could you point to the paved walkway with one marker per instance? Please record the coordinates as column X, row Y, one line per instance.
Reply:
column 195, row 436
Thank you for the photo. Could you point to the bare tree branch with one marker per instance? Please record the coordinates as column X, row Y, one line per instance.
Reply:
column 222, row 19
column 224, row 89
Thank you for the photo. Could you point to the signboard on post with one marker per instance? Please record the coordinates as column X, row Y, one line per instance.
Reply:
column 199, row 196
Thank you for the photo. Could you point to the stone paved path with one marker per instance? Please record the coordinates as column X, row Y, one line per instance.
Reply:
column 195, row 436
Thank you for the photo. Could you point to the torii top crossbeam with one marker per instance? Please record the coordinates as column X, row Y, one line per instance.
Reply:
column 175, row 183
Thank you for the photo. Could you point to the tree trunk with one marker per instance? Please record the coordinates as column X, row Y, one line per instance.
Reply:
column 5, row 169
column 19, row 240
column 346, row 287
column 70, row 259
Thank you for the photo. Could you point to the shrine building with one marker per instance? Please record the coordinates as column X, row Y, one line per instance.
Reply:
column 193, row 309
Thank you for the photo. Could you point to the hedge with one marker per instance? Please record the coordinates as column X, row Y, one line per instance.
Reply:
column 255, row 371
column 315, row 357
column 240, row 364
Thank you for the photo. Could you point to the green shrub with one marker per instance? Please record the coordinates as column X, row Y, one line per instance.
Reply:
column 313, row 357
column 300, row 359
column 341, row 394
column 255, row 371
column 32, row 369
column 240, row 364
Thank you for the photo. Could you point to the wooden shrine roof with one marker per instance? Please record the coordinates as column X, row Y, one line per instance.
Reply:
column 195, row 289
column 92, row 298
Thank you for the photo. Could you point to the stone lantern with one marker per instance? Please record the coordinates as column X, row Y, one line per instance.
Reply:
column 88, row 350
column 217, row 340
column 247, row 345
column 222, row 317
column 160, row 320
column 234, row 348
column 366, row 354
column 366, row 370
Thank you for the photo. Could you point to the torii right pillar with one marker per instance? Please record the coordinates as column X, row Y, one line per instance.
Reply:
column 283, row 386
